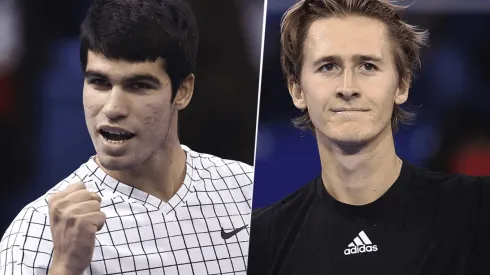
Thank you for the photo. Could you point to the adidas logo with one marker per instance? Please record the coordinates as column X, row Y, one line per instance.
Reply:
column 361, row 244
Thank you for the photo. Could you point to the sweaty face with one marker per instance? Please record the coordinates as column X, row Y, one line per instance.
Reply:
column 348, row 79
column 128, row 109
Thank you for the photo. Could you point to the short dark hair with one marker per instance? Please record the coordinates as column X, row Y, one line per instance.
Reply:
column 143, row 30
column 408, row 39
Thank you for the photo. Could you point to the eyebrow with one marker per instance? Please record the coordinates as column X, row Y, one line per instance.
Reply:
column 357, row 58
column 126, row 79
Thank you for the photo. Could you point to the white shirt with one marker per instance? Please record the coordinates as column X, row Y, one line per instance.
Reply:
column 144, row 235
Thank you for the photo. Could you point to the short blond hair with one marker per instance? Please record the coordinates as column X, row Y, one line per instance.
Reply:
column 408, row 42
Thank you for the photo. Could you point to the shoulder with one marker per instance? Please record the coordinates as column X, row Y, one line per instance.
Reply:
column 235, row 174
column 289, row 205
column 26, row 243
column 278, row 217
column 456, row 194
column 271, row 224
column 446, row 182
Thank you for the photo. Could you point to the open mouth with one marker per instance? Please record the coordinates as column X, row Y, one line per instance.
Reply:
column 116, row 136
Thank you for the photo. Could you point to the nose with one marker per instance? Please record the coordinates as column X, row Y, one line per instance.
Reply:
column 348, row 91
column 116, row 105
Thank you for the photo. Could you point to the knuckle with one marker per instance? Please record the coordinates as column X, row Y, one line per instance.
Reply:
column 51, row 200
column 86, row 195
column 80, row 195
column 69, row 212
column 71, row 221
column 51, row 204
column 82, row 186
column 95, row 196
column 54, row 207
column 99, row 217
column 54, row 198
column 57, row 212
column 88, row 226
column 77, row 184
column 56, row 216
column 102, row 217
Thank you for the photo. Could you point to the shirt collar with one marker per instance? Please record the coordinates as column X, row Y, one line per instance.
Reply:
column 108, row 187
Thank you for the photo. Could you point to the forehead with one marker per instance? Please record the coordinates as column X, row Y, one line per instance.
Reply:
column 117, row 68
column 346, row 36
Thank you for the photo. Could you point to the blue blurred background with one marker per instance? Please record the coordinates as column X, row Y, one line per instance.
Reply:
column 43, row 132
column 451, row 96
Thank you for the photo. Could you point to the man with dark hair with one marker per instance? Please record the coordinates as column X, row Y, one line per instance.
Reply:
column 144, row 203
column 349, row 64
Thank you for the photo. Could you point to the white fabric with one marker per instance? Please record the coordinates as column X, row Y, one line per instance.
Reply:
column 144, row 235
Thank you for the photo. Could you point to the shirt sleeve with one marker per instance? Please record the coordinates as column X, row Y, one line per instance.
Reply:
column 26, row 246
column 258, row 259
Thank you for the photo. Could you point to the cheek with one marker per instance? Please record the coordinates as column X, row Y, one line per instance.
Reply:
column 90, row 109
column 381, row 89
column 157, row 117
column 384, row 104
column 156, row 124
column 151, row 120
column 91, row 103
column 317, row 92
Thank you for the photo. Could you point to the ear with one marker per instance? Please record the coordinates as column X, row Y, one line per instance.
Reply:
column 297, row 94
column 184, row 93
column 401, row 94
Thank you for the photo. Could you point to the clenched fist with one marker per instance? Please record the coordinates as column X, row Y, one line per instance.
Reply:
column 75, row 217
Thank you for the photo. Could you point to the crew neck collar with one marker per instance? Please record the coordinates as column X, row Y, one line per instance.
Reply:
column 389, row 203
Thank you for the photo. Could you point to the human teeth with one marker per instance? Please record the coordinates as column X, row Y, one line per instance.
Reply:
column 115, row 141
column 116, row 132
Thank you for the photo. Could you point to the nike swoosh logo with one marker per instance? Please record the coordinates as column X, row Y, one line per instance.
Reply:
column 227, row 235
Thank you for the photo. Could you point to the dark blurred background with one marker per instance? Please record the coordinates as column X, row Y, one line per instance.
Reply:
column 451, row 95
column 43, row 132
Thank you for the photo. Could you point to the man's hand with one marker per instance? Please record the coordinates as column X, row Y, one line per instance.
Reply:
column 75, row 217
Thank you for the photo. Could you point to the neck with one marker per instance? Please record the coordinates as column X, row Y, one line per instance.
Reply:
column 360, row 174
column 163, row 173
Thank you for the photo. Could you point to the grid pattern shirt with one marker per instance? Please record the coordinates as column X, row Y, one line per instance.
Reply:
column 192, row 233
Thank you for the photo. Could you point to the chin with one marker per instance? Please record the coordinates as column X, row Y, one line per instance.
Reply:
column 350, row 141
column 348, row 137
column 119, row 163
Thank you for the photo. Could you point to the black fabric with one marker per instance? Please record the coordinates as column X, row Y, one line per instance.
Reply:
column 426, row 223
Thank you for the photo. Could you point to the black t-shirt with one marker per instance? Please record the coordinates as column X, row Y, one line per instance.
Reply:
column 426, row 223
